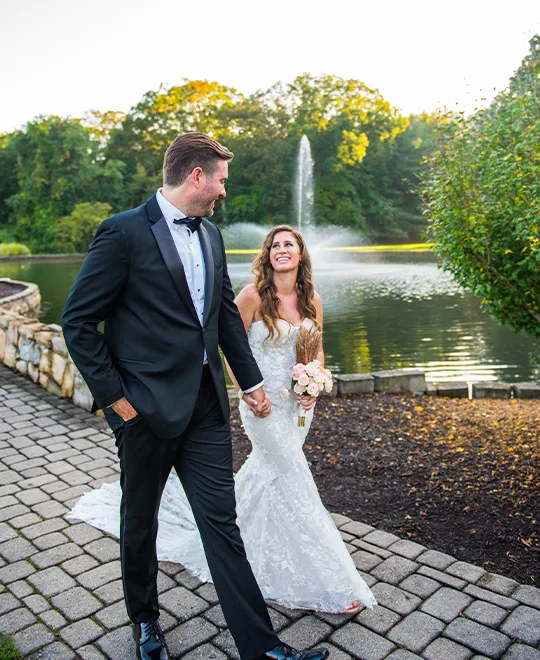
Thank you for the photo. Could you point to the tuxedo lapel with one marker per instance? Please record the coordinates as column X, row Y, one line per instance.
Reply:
column 206, row 248
column 173, row 262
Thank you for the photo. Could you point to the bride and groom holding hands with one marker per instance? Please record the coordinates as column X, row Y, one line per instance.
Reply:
column 157, row 276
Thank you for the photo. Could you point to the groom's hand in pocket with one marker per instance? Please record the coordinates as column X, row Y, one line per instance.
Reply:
column 258, row 403
column 124, row 408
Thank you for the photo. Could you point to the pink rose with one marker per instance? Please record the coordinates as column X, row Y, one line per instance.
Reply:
column 303, row 380
column 299, row 389
column 313, row 389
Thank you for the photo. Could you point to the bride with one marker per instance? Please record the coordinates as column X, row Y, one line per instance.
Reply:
column 275, row 492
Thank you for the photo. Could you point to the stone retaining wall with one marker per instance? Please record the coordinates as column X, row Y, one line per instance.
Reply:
column 25, row 301
column 39, row 352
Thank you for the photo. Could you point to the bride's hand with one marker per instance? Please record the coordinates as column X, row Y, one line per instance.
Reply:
column 307, row 402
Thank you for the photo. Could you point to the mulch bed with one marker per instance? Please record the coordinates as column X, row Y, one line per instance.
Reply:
column 457, row 475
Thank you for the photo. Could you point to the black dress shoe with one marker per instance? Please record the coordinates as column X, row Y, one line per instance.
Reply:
column 285, row 652
column 150, row 642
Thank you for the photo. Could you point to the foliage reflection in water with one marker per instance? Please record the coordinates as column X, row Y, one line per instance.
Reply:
column 382, row 311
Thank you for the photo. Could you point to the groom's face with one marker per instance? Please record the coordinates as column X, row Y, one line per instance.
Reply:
column 212, row 188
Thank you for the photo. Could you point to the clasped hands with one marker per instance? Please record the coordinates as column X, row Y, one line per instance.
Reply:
column 258, row 402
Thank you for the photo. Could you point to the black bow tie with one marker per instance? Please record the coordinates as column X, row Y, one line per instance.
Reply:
column 191, row 223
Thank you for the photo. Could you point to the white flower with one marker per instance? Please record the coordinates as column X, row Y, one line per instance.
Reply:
column 313, row 389
column 299, row 389
column 284, row 392
column 329, row 384
column 319, row 377
column 312, row 369
column 304, row 380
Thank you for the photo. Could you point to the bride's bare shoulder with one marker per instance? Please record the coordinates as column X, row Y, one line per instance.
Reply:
column 249, row 299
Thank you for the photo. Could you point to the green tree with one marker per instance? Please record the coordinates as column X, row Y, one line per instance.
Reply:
column 483, row 196
column 74, row 232
column 55, row 171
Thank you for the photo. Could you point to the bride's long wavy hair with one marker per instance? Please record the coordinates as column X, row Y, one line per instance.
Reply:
column 264, row 281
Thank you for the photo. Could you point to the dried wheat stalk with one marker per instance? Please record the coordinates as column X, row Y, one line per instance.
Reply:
column 308, row 343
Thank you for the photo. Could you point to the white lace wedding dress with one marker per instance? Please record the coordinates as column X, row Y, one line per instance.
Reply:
column 292, row 543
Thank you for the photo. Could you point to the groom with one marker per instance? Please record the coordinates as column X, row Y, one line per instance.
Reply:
column 157, row 276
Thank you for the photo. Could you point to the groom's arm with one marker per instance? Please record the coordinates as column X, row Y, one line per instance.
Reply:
column 232, row 336
column 91, row 298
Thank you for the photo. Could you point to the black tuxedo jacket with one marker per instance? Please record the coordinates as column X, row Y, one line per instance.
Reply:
column 152, row 347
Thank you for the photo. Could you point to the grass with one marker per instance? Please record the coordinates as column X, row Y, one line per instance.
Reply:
column 408, row 247
column 7, row 649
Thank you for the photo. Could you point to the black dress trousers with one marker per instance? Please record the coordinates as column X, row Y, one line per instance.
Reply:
column 202, row 457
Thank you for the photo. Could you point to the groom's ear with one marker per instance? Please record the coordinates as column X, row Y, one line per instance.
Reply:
column 197, row 177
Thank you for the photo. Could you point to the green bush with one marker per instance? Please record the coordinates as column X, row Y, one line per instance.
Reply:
column 7, row 649
column 482, row 197
column 13, row 249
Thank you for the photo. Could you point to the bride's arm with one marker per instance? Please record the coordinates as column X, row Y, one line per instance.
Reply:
column 317, row 301
column 247, row 302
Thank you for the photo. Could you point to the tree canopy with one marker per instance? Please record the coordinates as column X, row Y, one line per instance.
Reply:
column 483, row 199
column 368, row 158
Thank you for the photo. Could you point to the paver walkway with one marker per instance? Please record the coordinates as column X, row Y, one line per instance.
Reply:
column 61, row 593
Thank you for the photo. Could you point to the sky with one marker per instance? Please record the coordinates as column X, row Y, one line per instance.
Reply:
column 65, row 57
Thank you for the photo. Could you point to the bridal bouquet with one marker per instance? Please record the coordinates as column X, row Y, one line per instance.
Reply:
column 309, row 377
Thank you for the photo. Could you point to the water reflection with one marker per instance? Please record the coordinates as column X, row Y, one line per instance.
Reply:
column 382, row 311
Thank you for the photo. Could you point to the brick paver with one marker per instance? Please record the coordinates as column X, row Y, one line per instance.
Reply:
column 61, row 592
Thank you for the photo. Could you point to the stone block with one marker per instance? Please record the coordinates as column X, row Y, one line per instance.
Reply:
column 306, row 632
column 51, row 581
column 420, row 585
column 394, row 569
column 16, row 620
column 456, row 390
column 45, row 361
column 59, row 346
column 182, row 603
column 446, row 604
column 526, row 390
column 353, row 527
column 58, row 368
column 30, row 352
column 113, row 616
column 491, row 597
column 406, row 380
column 468, row 572
column 380, row 538
column 416, row 631
column 436, row 559
column 190, row 634
column 528, row 595
column 118, row 644
column 97, row 577
column 82, row 396
column 32, row 638
column 53, row 388
column 2, row 344
column 477, row 637
column 10, row 356
column 355, row 383
column 408, row 549
column 33, row 372
column 491, row 390
column 445, row 649
column 22, row 367
column 395, row 599
column 523, row 625
column 498, row 583
column 521, row 652
column 81, row 633
column 353, row 637
column 486, row 613
column 379, row 619
column 68, row 381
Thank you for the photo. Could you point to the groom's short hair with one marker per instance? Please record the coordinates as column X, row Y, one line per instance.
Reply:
column 191, row 150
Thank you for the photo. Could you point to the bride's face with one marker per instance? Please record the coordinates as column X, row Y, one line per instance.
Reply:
column 284, row 252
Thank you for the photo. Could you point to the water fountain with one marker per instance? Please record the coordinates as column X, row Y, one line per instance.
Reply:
column 304, row 185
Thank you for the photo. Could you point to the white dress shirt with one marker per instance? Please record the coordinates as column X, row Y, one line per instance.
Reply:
column 189, row 249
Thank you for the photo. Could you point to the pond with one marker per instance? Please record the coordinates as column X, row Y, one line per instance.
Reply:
column 382, row 311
